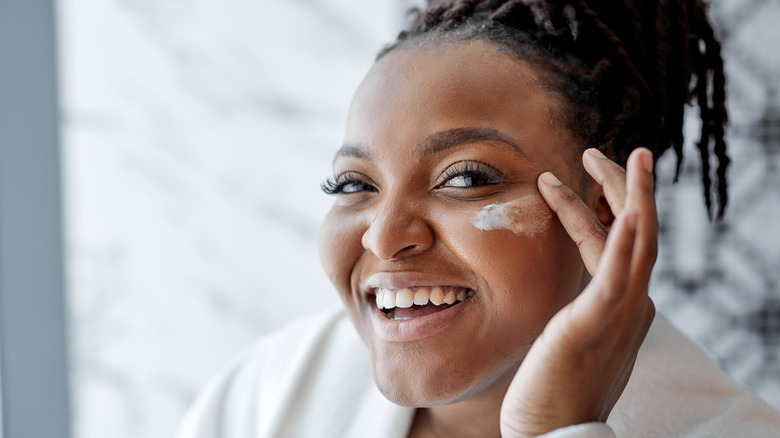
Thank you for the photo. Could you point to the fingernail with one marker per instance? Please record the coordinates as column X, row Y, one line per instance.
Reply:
column 597, row 153
column 647, row 162
column 550, row 179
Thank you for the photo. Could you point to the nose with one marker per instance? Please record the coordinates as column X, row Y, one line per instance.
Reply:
column 396, row 230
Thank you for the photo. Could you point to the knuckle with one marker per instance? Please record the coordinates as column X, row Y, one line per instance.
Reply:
column 594, row 227
column 579, row 241
column 589, row 230
column 616, row 172
column 568, row 196
column 611, row 294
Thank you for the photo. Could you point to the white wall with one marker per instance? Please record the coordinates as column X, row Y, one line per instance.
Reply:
column 196, row 134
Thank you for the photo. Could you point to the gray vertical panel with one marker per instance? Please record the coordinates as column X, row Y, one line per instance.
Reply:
column 32, row 318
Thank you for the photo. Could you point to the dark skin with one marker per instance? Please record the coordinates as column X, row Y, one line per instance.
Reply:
column 520, row 357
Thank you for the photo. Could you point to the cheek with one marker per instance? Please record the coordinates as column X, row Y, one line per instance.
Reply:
column 340, row 248
column 534, row 275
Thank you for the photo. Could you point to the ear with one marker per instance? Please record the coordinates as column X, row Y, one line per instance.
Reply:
column 599, row 205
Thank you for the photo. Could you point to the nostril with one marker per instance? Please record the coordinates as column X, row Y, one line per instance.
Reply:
column 407, row 250
column 395, row 234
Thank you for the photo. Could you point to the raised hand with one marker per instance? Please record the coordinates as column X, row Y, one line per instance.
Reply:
column 578, row 367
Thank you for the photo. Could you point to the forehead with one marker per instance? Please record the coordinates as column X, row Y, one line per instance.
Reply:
column 412, row 93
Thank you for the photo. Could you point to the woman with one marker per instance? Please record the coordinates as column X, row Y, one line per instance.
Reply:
column 544, row 329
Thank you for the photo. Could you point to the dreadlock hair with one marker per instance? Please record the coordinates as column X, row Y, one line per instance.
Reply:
column 626, row 69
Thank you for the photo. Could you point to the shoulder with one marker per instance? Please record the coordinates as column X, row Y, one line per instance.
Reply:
column 252, row 394
column 676, row 389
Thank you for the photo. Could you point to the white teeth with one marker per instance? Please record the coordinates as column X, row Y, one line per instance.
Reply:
column 401, row 318
column 404, row 299
column 389, row 299
column 450, row 297
column 437, row 296
column 421, row 297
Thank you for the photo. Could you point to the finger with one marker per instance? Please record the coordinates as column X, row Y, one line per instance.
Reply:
column 605, row 293
column 641, row 198
column 609, row 175
column 577, row 219
column 594, row 309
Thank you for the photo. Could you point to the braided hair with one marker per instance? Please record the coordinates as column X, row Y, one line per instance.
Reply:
column 626, row 69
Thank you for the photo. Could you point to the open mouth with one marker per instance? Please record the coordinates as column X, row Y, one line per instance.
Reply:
column 408, row 303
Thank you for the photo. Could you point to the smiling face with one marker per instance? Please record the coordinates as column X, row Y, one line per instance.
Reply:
column 434, row 135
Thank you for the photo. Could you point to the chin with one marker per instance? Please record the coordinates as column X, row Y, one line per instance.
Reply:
column 432, row 386
column 428, row 396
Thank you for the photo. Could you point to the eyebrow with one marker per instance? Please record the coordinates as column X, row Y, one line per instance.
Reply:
column 436, row 142
column 355, row 150
column 443, row 140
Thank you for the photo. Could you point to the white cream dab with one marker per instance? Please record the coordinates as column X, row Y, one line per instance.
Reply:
column 527, row 215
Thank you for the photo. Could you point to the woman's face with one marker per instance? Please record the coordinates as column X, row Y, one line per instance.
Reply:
column 433, row 136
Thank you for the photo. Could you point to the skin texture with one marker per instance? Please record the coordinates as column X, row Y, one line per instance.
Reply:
column 408, row 215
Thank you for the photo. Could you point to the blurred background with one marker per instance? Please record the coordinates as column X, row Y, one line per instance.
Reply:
column 193, row 136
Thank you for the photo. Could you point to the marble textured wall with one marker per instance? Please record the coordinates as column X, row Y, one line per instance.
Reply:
column 196, row 134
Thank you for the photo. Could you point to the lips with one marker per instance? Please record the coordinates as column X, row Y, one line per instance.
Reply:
column 409, row 306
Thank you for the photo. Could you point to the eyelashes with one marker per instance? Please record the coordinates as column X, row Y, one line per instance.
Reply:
column 462, row 175
column 471, row 174
column 330, row 186
column 345, row 184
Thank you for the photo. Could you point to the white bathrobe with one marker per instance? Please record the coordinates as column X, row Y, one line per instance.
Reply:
column 313, row 379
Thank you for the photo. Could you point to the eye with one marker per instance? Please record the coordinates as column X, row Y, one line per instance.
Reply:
column 346, row 183
column 470, row 174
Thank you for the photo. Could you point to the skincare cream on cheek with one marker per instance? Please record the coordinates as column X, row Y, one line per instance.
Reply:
column 527, row 215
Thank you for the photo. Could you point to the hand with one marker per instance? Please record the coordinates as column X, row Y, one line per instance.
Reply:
column 578, row 367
